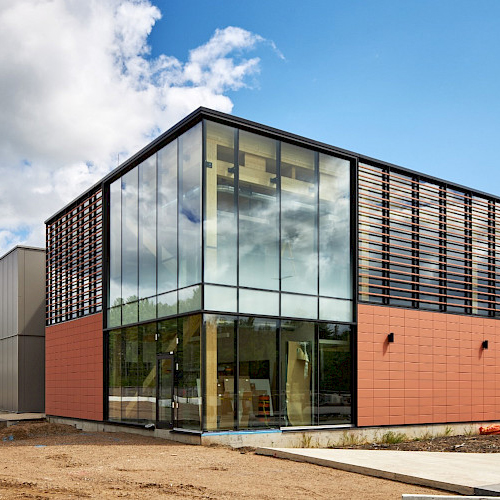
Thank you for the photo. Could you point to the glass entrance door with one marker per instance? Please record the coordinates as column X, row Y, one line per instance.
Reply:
column 165, row 391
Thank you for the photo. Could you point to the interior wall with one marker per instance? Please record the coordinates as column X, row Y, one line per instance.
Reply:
column 74, row 368
column 435, row 370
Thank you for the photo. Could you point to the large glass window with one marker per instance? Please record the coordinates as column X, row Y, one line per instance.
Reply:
column 298, row 349
column 115, row 375
column 189, row 374
column 130, row 230
column 115, row 245
column 220, row 205
column 147, row 228
column 258, row 373
column 334, row 227
column 299, row 258
column 334, row 366
column 167, row 218
column 130, row 374
column 220, row 372
column 258, row 212
column 147, row 373
column 189, row 257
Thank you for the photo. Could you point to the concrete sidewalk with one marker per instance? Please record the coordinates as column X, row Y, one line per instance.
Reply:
column 464, row 473
column 8, row 418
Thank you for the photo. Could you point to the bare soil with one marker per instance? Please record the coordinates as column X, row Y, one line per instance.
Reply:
column 458, row 444
column 47, row 461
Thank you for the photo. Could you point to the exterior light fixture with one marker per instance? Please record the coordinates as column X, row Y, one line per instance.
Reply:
column 485, row 344
column 390, row 338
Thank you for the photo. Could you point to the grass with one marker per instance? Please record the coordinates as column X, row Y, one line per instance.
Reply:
column 391, row 437
column 351, row 439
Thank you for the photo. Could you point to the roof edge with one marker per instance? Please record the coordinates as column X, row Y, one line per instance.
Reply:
column 202, row 112
column 22, row 247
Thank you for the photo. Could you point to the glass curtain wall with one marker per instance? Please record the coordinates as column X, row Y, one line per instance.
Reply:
column 258, row 204
column 277, row 218
column 132, row 370
column 265, row 373
column 276, row 243
column 155, row 235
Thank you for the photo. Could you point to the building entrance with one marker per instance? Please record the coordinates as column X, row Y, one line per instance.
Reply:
column 165, row 404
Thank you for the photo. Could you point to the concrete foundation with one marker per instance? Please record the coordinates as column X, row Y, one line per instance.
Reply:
column 284, row 438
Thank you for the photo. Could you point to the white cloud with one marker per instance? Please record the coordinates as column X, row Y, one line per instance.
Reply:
column 77, row 88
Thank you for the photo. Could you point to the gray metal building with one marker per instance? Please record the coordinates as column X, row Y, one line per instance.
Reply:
column 22, row 330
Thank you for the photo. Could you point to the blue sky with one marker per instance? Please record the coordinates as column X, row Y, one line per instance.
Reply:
column 412, row 82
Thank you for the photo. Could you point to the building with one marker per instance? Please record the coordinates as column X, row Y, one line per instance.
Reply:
column 22, row 330
column 234, row 277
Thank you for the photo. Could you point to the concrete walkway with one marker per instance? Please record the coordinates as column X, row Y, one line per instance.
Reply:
column 8, row 418
column 464, row 473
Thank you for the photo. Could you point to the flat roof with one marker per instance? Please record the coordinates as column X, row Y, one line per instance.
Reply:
column 22, row 247
column 258, row 128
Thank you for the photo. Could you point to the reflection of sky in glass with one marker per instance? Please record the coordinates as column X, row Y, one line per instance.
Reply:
column 147, row 228
column 190, row 207
column 129, row 235
column 220, row 216
column 299, row 262
column 167, row 218
column 148, row 261
column 334, row 232
column 258, row 213
column 115, row 262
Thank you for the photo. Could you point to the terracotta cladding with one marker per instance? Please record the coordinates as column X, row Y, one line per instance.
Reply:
column 74, row 368
column 435, row 371
column 74, row 262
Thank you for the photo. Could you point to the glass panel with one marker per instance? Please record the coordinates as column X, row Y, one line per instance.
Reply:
column 165, row 390
column 114, row 316
column 219, row 372
column 167, row 304
column 130, row 375
column 167, row 335
column 334, row 228
column 189, row 382
column 115, row 245
column 190, row 299
column 335, row 310
column 129, row 235
column 130, row 313
column 258, row 373
column 220, row 298
column 147, row 228
column 299, row 258
column 334, row 392
column 115, row 375
column 190, row 207
column 220, row 205
column 147, row 309
column 299, row 306
column 297, row 372
column 167, row 218
column 147, row 373
column 258, row 212
column 257, row 302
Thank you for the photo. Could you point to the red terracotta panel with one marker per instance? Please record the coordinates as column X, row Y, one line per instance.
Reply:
column 76, row 361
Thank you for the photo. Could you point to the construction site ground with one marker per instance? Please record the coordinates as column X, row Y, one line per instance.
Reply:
column 52, row 461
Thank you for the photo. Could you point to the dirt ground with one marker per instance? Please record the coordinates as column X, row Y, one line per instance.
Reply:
column 458, row 444
column 47, row 461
